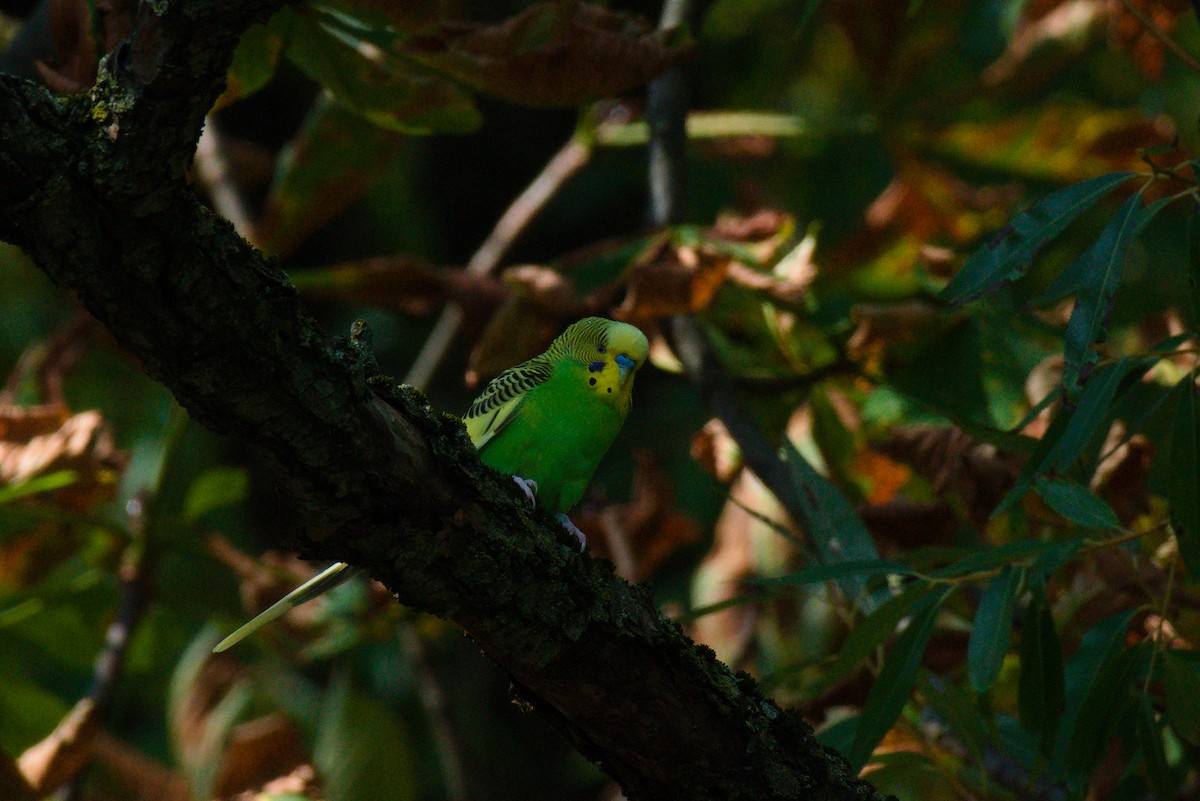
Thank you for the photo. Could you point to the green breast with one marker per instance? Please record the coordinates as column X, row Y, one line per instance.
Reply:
column 557, row 437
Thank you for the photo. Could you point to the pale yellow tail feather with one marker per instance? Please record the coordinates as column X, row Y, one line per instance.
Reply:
column 319, row 584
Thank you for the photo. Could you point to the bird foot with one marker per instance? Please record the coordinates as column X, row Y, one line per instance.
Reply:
column 573, row 529
column 529, row 487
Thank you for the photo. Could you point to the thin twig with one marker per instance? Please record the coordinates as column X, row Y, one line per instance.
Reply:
column 1161, row 35
column 666, row 116
column 214, row 171
column 566, row 162
column 619, row 550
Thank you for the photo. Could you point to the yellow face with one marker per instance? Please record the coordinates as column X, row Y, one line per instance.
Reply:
column 613, row 364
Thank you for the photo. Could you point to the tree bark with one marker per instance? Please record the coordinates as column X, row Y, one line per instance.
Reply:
column 93, row 188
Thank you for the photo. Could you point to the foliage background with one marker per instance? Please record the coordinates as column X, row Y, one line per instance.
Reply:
column 991, row 595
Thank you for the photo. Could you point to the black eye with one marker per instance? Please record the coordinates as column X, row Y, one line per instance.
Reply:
column 610, row 390
column 601, row 349
column 592, row 381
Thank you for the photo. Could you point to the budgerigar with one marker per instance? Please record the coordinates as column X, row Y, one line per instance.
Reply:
column 547, row 422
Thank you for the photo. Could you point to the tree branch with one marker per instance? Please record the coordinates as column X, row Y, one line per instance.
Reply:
column 93, row 189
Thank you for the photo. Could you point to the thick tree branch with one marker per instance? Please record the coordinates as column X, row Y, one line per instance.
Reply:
column 93, row 189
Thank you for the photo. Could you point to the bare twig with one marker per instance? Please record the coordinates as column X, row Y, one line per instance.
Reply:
column 617, row 539
column 213, row 170
column 565, row 163
column 666, row 115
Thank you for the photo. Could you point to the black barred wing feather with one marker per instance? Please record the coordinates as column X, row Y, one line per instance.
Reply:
column 502, row 397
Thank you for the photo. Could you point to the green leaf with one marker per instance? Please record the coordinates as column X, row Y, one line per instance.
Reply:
column 817, row 574
column 1090, row 414
column 1150, row 742
column 1070, row 432
column 1183, row 489
column 383, row 91
column 1055, row 557
column 38, row 485
column 896, row 679
column 834, row 527
column 1076, row 503
column 1008, row 256
column 214, row 489
column 257, row 56
column 1040, row 689
column 959, row 709
column 1096, row 694
column 1010, row 553
column 871, row 632
column 1193, row 233
column 361, row 751
column 333, row 160
column 1181, row 676
column 991, row 631
column 1100, row 274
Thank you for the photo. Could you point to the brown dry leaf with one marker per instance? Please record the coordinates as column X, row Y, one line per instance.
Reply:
column 146, row 779
column 405, row 284
column 42, row 440
column 541, row 304
column 1049, row 35
column 879, row 326
column 58, row 758
column 71, row 28
column 13, row 786
column 302, row 781
column 641, row 535
column 1123, row 477
column 38, row 441
column 1147, row 51
column 669, row 279
column 955, row 463
column 716, row 451
column 743, row 547
column 550, row 54
column 261, row 752
column 885, row 475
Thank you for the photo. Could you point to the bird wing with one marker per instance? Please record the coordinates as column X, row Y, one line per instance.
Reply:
column 500, row 400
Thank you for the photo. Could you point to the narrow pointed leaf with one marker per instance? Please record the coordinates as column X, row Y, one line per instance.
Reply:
column 1077, row 503
column 1008, row 256
column 1181, row 676
column 896, row 680
column 1154, row 757
column 992, row 629
column 1095, row 692
column 871, row 632
column 1100, row 275
column 1040, row 690
column 835, row 528
column 1194, row 266
column 1183, row 491
column 861, row 568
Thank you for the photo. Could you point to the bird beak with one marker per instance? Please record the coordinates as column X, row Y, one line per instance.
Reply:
column 625, row 366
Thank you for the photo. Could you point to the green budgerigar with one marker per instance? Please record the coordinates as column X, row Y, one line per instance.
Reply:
column 546, row 422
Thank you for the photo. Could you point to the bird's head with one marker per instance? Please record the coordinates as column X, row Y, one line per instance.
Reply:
column 612, row 353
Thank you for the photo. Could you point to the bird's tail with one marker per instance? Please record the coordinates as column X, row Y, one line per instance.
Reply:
column 319, row 584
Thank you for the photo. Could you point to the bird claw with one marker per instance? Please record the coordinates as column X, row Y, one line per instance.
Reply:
column 573, row 529
column 529, row 487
